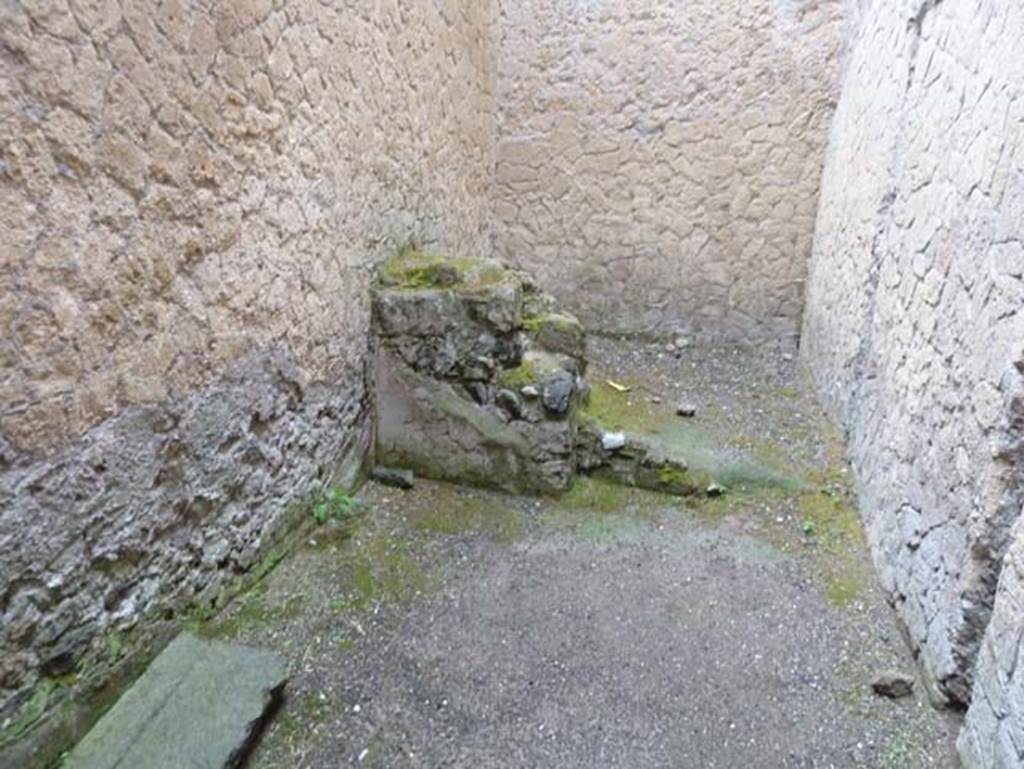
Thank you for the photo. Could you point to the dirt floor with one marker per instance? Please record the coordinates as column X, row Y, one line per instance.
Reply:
column 444, row 627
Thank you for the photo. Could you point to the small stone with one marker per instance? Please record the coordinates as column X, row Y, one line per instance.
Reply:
column 714, row 490
column 656, row 400
column 893, row 684
column 670, row 348
column 510, row 403
column 613, row 441
column 682, row 342
column 557, row 390
column 686, row 410
column 529, row 391
column 394, row 477
column 479, row 392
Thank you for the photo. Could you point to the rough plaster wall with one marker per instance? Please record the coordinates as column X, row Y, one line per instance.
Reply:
column 183, row 182
column 915, row 315
column 192, row 195
column 659, row 161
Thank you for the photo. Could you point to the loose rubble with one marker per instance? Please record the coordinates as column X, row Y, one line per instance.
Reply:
column 481, row 380
column 894, row 685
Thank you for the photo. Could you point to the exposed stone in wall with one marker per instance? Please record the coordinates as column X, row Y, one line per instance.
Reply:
column 157, row 509
column 915, row 317
column 993, row 737
column 658, row 162
column 192, row 198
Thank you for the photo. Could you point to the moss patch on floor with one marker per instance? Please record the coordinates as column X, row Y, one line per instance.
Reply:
column 450, row 510
column 382, row 568
column 465, row 514
column 254, row 610
column 708, row 457
column 601, row 509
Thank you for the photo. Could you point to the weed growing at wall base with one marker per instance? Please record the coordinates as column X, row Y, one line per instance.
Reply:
column 334, row 503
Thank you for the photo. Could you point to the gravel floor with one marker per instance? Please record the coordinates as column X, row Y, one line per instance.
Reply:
column 446, row 627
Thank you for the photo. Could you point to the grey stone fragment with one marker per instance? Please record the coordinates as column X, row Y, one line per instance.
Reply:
column 529, row 391
column 557, row 390
column 640, row 462
column 893, row 684
column 590, row 453
column 613, row 441
column 499, row 306
column 479, row 392
column 561, row 333
column 424, row 424
column 993, row 734
column 394, row 477
column 511, row 403
column 685, row 409
column 416, row 313
column 199, row 705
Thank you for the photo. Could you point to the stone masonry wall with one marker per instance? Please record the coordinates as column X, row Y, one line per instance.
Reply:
column 192, row 198
column 914, row 329
column 658, row 162
column 993, row 737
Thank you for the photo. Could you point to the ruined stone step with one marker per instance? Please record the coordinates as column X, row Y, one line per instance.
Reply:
column 199, row 705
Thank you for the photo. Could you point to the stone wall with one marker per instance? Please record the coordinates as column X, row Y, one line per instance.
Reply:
column 993, row 737
column 192, row 197
column 915, row 321
column 658, row 162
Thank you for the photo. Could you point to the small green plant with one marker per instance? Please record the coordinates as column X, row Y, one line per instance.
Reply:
column 334, row 503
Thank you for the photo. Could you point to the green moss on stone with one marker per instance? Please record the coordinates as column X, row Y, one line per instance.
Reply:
column 522, row 375
column 560, row 322
column 415, row 269
column 30, row 712
column 535, row 366
column 672, row 477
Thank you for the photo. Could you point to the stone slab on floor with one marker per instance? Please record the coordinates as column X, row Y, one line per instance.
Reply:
column 198, row 705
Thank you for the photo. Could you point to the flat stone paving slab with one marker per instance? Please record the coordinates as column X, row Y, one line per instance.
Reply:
column 198, row 706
